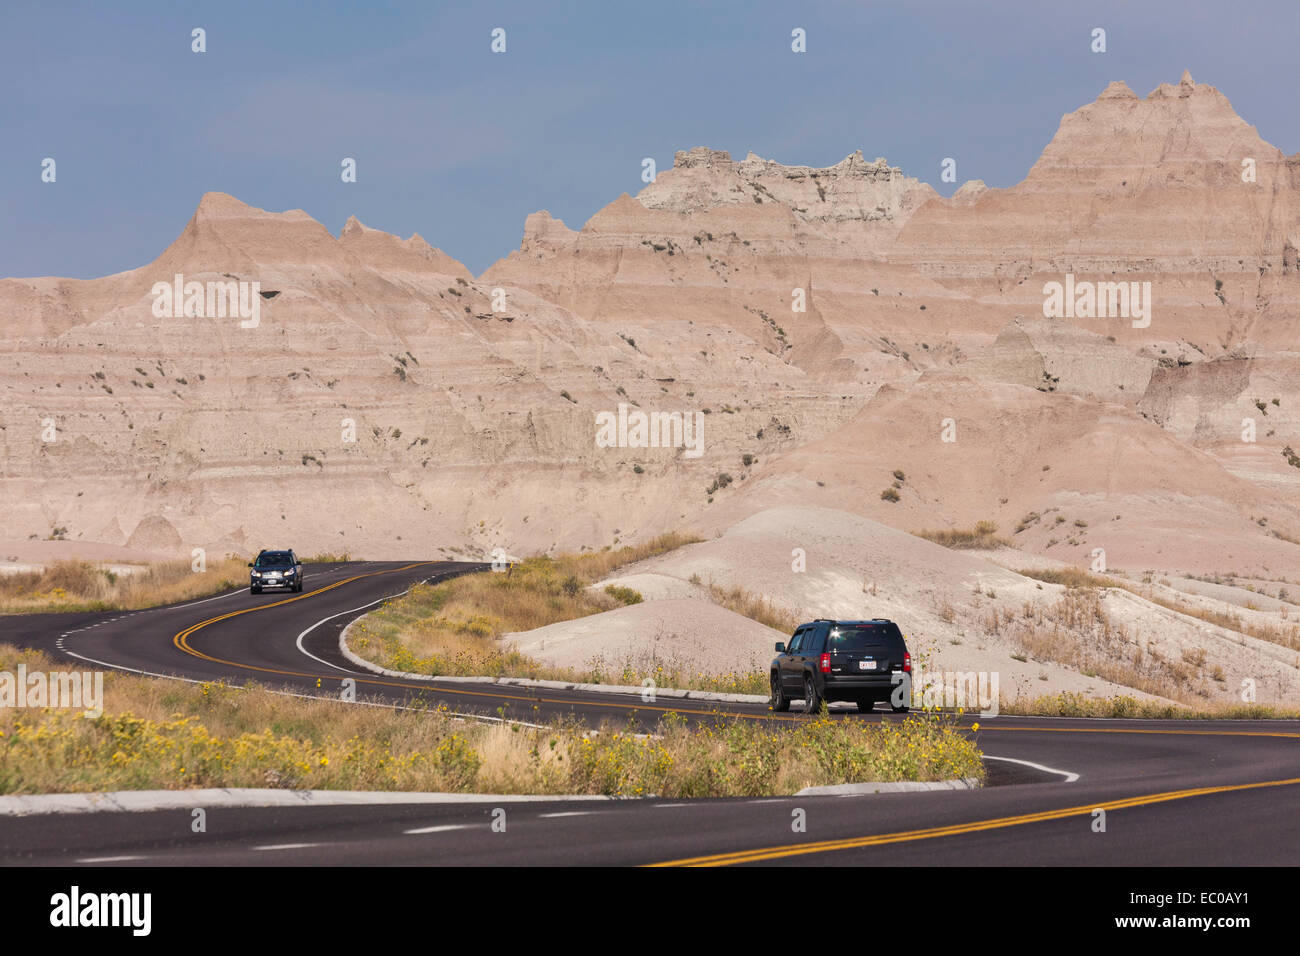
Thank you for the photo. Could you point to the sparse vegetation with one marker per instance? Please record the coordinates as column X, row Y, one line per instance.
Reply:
column 721, row 481
column 1027, row 521
column 1076, row 631
column 1286, row 635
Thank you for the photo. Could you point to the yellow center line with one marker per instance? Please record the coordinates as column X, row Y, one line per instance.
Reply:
column 852, row 843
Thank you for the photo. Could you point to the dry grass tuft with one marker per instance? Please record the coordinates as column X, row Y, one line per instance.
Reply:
column 983, row 536
column 753, row 606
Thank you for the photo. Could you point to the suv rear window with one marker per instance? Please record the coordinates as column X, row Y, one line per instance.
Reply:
column 859, row 637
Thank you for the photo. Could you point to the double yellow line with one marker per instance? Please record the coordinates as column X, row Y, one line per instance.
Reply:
column 181, row 640
column 853, row 843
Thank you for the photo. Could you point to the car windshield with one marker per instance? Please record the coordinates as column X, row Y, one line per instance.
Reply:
column 859, row 637
column 271, row 559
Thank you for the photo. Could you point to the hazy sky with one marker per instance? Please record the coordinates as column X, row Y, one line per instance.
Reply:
column 460, row 144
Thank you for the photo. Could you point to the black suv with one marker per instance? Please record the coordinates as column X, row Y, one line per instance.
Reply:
column 275, row 569
column 859, row 661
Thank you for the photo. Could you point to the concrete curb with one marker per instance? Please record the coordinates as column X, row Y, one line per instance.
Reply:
column 907, row 786
column 135, row 801
column 140, row 801
column 672, row 692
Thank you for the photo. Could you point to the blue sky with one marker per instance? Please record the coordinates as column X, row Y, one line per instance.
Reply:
column 461, row 144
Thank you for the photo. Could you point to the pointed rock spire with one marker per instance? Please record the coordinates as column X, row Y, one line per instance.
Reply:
column 1118, row 90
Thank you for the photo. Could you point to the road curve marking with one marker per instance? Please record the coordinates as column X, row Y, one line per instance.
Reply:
column 441, row 829
column 852, row 843
column 322, row 660
column 108, row 859
column 1069, row 776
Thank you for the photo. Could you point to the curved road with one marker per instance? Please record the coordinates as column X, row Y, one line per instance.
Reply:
column 1173, row 792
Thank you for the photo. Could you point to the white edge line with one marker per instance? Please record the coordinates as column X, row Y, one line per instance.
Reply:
column 321, row 660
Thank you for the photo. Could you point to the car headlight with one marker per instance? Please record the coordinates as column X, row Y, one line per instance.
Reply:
column 257, row 574
column 289, row 572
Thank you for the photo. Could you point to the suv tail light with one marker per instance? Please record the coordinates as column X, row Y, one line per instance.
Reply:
column 826, row 663
column 907, row 662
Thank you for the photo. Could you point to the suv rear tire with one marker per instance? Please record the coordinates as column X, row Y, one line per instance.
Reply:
column 778, row 701
column 812, row 702
column 898, row 710
column 866, row 705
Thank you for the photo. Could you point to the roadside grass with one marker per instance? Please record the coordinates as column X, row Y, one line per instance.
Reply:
column 454, row 628
column 82, row 586
column 328, row 557
column 1080, row 705
column 983, row 535
column 160, row 734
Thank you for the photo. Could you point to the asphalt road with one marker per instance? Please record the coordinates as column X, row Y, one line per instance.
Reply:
column 1174, row 792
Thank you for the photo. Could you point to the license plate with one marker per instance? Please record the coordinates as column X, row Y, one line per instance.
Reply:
column 866, row 665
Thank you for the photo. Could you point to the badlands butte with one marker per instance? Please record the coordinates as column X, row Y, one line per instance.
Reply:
column 921, row 348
